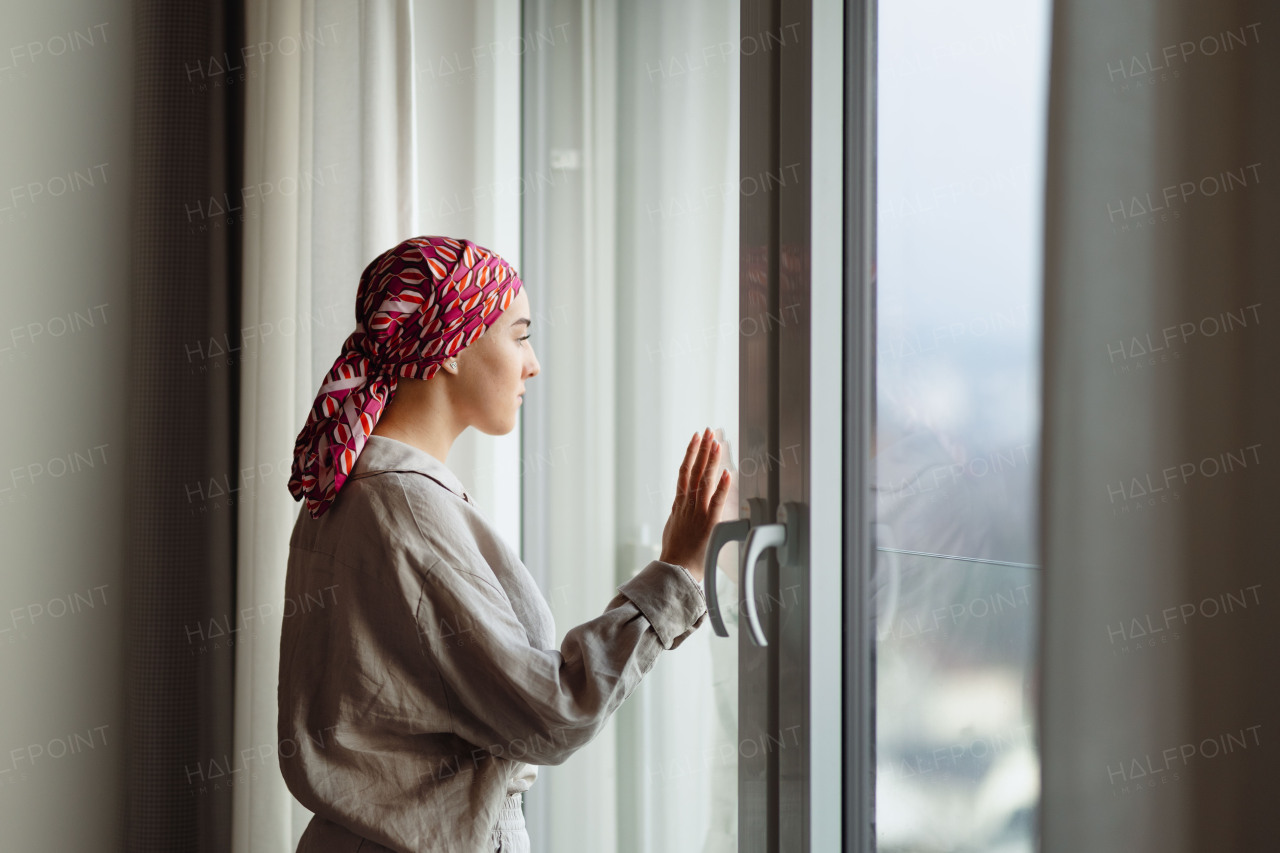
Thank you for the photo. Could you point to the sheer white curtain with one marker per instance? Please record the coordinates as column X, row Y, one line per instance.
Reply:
column 642, row 283
column 358, row 122
column 1160, row 705
column 679, row 331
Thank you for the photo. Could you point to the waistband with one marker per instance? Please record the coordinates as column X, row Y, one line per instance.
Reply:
column 512, row 814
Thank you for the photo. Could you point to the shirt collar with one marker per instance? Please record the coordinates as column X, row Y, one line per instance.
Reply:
column 381, row 453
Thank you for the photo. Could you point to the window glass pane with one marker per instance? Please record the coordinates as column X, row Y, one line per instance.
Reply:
column 960, row 118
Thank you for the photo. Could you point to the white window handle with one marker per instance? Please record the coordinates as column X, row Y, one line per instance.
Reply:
column 722, row 534
column 786, row 536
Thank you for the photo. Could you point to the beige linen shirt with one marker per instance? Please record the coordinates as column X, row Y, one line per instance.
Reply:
column 419, row 681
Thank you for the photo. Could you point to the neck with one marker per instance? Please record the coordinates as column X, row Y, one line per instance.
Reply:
column 421, row 420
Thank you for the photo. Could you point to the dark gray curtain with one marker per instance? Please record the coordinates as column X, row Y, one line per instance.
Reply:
column 182, row 409
column 1160, row 702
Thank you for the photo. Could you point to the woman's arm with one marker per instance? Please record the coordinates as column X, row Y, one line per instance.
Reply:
column 539, row 706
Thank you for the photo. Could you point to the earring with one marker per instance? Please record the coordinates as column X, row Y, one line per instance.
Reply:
column 454, row 365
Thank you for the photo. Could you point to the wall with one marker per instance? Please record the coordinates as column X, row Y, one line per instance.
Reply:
column 65, row 83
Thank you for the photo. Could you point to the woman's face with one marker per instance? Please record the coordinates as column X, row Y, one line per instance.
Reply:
column 493, row 370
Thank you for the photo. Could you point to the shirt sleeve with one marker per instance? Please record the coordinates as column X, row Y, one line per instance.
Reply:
column 539, row 706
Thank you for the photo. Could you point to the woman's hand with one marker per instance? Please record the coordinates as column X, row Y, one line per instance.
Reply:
column 700, row 494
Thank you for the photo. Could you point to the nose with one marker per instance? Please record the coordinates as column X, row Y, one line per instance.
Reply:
column 532, row 367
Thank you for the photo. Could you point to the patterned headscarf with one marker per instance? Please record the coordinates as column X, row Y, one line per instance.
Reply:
column 418, row 304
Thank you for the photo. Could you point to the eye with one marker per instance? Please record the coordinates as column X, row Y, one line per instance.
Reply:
column 525, row 338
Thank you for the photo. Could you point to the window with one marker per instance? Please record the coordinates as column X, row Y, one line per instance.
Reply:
column 961, row 96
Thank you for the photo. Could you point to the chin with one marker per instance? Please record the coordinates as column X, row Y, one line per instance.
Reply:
column 503, row 428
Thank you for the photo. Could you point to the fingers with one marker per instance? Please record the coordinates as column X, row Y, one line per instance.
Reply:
column 695, row 482
column 697, row 477
column 686, row 468
column 708, row 479
column 721, row 493
column 691, row 468
column 705, row 454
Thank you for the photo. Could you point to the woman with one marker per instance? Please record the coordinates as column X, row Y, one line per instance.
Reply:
column 418, row 696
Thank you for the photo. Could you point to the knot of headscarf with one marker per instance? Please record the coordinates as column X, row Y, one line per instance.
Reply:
column 418, row 304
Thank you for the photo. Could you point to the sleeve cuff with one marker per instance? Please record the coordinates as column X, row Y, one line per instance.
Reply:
column 669, row 598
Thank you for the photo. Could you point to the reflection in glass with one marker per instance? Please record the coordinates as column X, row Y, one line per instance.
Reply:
column 956, row 767
column 960, row 115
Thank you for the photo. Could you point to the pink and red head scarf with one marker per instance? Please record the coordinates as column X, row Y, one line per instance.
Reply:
column 419, row 304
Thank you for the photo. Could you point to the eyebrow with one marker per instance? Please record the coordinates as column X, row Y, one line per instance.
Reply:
column 527, row 322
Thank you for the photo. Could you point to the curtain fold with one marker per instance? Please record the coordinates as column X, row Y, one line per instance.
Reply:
column 1159, row 541
column 629, row 200
column 181, row 459
column 330, row 148
column 643, row 249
